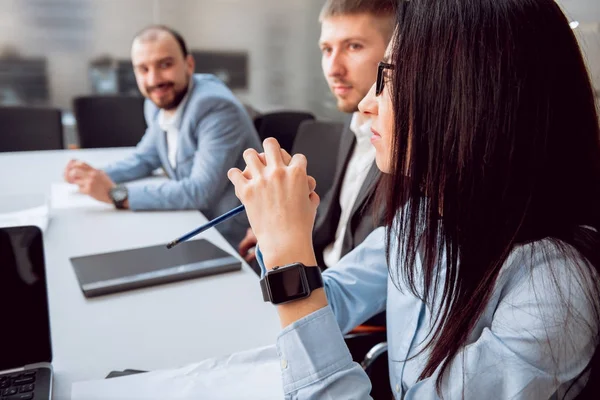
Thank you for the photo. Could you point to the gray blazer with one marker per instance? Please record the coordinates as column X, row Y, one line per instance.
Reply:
column 215, row 130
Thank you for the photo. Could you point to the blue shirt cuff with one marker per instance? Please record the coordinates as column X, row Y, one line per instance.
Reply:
column 138, row 198
column 311, row 349
column 261, row 263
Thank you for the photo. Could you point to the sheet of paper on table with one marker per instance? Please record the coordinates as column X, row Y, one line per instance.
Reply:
column 64, row 195
column 24, row 209
column 249, row 375
column 37, row 216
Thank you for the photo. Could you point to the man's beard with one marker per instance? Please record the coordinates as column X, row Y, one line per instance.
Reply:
column 177, row 98
column 347, row 107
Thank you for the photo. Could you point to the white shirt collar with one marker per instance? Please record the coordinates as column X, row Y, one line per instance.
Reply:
column 360, row 125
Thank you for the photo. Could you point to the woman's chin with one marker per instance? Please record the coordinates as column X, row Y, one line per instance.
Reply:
column 383, row 163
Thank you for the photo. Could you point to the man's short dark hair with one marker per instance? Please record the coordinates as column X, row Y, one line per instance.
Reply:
column 149, row 33
column 378, row 8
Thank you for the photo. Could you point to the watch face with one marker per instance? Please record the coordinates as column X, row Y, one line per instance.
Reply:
column 287, row 284
column 119, row 194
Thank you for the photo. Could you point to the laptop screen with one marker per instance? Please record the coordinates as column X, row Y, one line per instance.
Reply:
column 25, row 324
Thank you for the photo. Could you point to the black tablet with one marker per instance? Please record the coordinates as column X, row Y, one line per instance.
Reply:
column 106, row 273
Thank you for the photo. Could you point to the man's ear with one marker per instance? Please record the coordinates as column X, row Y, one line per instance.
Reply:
column 190, row 63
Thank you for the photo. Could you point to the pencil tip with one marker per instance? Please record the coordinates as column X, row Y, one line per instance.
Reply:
column 172, row 244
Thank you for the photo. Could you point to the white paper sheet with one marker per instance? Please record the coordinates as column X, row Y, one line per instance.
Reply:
column 249, row 375
column 37, row 216
column 65, row 195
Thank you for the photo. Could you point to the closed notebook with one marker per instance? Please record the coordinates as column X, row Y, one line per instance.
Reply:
column 105, row 273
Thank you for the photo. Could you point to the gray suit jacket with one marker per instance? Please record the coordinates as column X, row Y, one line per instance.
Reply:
column 215, row 130
column 364, row 218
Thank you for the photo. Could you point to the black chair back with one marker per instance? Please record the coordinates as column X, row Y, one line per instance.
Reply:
column 283, row 126
column 109, row 121
column 592, row 387
column 253, row 113
column 30, row 129
column 319, row 141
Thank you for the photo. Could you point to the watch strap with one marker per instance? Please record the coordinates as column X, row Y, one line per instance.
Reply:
column 314, row 277
column 264, row 289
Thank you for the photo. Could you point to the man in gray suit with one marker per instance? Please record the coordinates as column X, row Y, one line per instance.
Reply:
column 197, row 131
column 354, row 36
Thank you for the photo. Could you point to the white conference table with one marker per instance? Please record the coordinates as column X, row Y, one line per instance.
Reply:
column 154, row 328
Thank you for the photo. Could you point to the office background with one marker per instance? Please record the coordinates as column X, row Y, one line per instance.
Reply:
column 54, row 50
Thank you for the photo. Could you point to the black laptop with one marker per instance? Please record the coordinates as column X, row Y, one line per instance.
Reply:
column 25, row 370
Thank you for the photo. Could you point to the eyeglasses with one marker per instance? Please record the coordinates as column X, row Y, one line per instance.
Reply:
column 381, row 77
column 382, row 65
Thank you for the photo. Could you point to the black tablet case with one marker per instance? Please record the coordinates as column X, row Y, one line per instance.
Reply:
column 106, row 273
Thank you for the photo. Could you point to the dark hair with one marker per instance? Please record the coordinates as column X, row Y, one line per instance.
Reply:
column 496, row 126
column 379, row 8
column 149, row 33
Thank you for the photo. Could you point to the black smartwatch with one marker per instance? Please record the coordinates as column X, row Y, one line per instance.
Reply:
column 119, row 195
column 290, row 282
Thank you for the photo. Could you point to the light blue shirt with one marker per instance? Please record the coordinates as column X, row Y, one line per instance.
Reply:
column 526, row 345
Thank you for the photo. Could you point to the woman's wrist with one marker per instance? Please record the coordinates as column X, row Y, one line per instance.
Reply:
column 277, row 255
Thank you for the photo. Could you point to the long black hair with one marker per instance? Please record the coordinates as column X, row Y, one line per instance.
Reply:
column 496, row 127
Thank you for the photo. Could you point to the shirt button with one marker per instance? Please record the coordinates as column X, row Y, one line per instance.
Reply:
column 398, row 387
column 284, row 363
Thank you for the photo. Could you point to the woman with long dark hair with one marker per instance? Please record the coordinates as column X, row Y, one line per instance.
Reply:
column 488, row 265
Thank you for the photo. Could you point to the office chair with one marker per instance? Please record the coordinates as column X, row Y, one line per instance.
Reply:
column 370, row 350
column 253, row 113
column 283, row 126
column 109, row 121
column 374, row 354
column 30, row 129
column 319, row 142
column 592, row 387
